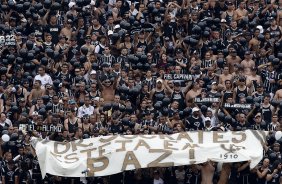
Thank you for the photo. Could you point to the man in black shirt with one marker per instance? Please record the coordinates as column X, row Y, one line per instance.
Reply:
column 274, row 175
column 8, row 173
column 262, row 171
column 53, row 28
column 35, row 27
column 194, row 122
column 23, row 173
column 242, row 122
column 116, row 127
column 74, row 49
column 192, row 175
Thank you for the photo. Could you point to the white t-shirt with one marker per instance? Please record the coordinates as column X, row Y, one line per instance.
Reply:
column 7, row 121
column 45, row 79
column 83, row 110
column 159, row 181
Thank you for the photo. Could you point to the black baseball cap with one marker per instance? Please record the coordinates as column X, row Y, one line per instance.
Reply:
column 177, row 83
column 87, row 37
column 73, row 38
column 11, row 162
column 259, row 86
column 147, row 113
column 242, row 79
column 179, row 50
column 62, row 37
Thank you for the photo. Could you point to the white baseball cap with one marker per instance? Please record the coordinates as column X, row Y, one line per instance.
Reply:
column 260, row 29
column 195, row 109
column 117, row 26
column 71, row 4
column 159, row 80
column 110, row 32
column 93, row 72
column 223, row 20
column 207, row 119
column 34, row 113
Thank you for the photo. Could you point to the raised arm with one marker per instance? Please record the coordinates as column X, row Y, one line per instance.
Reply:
column 262, row 174
column 44, row 19
column 167, row 87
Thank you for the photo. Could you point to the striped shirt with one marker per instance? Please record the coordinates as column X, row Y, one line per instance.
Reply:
column 122, row 60
column 267, row 76
column 150, row 83
column 207, row 63
column 61, row 18
column 272, row 126
column 107, row 59
column 57, row 108
column 162, row 127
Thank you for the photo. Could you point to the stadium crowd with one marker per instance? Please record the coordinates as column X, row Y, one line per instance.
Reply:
column 94, row 68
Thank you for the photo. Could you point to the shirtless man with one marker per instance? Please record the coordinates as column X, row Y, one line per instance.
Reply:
column 240, row 12
column 254, row 42
column 224, row 173
column 36, row 92
column 279, row 17
column 278, row 94
column 88, row 45
column 108, row 89
column 248, row 63
column 207, row 171
column 67, row 30
column 194, row 92
column 232, row 59
column 253, row 78
column 225, row 76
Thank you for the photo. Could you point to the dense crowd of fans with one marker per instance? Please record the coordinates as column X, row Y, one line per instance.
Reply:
column 94, row 68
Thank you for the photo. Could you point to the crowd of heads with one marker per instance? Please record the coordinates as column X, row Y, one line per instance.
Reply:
column 73, row 70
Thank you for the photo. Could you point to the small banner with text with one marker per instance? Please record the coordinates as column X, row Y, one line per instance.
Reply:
column 102, row 156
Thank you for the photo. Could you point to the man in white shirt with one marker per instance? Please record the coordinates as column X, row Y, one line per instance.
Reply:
column 133, row 11
column 86, row 109
column 4, row 121
column 157, row 178
column 43, row 77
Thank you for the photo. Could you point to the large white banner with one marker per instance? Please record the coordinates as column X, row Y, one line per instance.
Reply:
column 113, row 154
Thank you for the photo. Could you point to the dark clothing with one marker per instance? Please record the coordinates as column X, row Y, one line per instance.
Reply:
column 54, row 31
column 193, row 123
